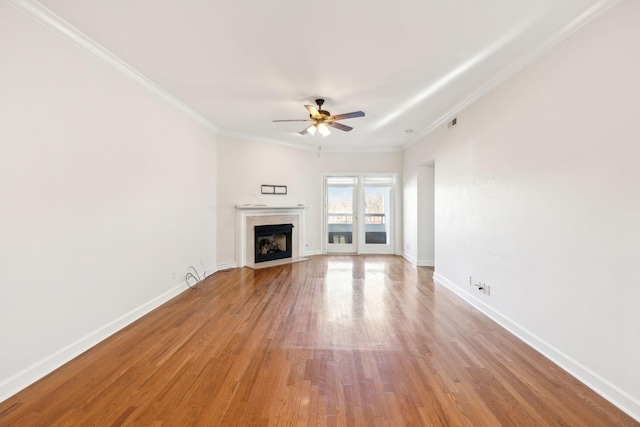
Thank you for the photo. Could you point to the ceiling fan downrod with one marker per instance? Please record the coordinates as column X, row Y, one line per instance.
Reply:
column 324, row 113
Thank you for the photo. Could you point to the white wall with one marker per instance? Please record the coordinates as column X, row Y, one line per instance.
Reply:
column 245, row 164
column 410, row 215
column 426, row 232
column 537, row 195
column 418, row 209
column 104, row 194
column 373, row 162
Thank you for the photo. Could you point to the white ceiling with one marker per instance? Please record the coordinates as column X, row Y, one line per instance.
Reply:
column 409, row 64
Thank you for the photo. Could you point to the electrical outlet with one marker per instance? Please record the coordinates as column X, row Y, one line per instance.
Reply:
column 484, row 288
column 470, row 282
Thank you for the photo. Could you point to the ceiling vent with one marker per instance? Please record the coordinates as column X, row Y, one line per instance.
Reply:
column 453, row 122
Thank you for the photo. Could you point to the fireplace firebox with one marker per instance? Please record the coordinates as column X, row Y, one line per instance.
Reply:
column 272, row 242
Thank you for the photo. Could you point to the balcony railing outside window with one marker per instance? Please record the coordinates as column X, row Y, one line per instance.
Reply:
column 338, row 218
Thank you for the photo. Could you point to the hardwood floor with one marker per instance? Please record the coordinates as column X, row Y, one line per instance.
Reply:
column 336, row 340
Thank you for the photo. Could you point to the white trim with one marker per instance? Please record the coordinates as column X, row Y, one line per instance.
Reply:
column 605, row 388
column 418, row 262
column 269, row 208
column 555, row 37
column 226, row 266
column 59, row 26
column 312, row 252
column 209, row 271
column 38, row 370
column 410, row 258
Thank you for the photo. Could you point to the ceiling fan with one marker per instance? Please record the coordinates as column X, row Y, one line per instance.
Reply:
column 321, row 120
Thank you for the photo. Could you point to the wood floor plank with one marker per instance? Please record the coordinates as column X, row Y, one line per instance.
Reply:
column 333, row 341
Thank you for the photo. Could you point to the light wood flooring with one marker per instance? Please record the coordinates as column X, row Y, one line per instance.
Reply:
column 335, row 341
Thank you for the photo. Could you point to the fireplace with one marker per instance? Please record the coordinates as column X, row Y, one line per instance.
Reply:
column 272, row 242
column 250, row 216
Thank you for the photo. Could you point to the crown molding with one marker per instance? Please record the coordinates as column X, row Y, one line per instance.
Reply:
column 57, row 25
column 561, row 32
column 60, row 27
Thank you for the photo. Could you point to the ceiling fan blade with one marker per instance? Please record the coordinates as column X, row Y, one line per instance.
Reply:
column 347, row 115
column 306, row 130
column 313, row 110
column 307, row 120
column 339, row 126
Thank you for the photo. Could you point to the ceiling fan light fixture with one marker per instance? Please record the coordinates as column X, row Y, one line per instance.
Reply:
column 312, row 129
column 323, row 129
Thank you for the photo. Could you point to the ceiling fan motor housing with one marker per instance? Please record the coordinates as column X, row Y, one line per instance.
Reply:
column 323, row 113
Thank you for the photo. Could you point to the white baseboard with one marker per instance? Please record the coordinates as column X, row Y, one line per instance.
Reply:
column 418, row 262
column 209, row 271
column 226, row 266
column 409, row 258
column 45, row 366
column 614, row 394
column 313, row 252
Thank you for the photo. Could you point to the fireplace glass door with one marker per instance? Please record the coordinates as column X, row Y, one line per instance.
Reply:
column 341, row 219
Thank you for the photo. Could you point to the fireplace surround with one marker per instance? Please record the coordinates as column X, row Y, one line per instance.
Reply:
column 249, row 216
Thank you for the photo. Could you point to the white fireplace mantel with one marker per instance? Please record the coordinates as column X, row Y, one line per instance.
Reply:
column 267, row 207
column 248, row 216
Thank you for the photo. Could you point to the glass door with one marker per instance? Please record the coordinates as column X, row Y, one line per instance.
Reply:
column 377, row 205
column 341, row 214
